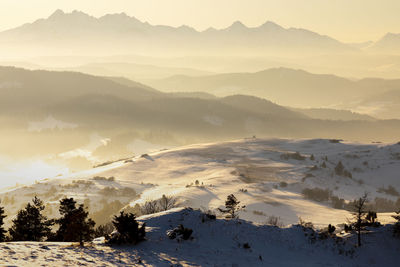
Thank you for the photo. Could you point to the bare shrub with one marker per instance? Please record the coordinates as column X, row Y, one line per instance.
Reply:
column 283, row 184
column 104, row 230
column 100, row 178
column 180, row 232
column 166, row 202
column 149, row 207
column 305, row 224
column 208, row 215
column 259, row 213
column 274, row 221
column 317, row 194
column 295, row 155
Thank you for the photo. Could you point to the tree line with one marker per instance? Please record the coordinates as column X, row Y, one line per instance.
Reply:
column 74, row 225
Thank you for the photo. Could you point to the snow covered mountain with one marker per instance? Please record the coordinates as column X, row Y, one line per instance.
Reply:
column 77, row 32
column 270, row 177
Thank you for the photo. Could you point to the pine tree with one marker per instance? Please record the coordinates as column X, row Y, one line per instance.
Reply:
column 2, row 231
column 359, row 213
column 30, row 224
column 396, row 226
column 371, row 217
column 331, row 229
column 231, row 205
column 128, row 230
column 75, row 226
column 339, row 168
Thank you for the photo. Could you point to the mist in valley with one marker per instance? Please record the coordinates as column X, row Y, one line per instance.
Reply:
column 173, row 123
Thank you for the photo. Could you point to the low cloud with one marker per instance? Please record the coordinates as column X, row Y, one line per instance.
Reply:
column 95, row 142
column 50, row 123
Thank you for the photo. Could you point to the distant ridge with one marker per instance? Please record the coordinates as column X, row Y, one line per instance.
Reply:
column 297, row 88
column 78, row 31
column 388, row 44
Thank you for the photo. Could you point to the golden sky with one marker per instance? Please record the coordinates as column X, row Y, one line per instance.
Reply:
column 345, row 20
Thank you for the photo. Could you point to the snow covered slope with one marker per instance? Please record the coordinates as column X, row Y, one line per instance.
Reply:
column 214, row 243
column 265, row 175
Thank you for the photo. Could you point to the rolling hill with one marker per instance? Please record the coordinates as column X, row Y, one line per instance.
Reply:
column 289, row 87
column 216, row 242
column 81, row 120
column 266, row 175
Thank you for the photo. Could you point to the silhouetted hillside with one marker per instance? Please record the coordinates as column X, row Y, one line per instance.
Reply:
column 71, row 115
column 288, row 87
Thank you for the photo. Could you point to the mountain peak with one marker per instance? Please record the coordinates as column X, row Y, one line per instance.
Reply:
column 270, row 25
column 237, row 25
column 186, row 28
column 57, row 13
column 77, row 12
column 119, row 18
column 391, row 35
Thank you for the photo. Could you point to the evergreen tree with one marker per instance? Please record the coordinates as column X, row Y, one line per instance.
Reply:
column 30, row 224
column 371, row 217
column 396, row 226
column 75, row 226
column 331, row 229
column 128, row 230
column 339, row 169
column 2, row 231
column 359, row 213
column 231, row 205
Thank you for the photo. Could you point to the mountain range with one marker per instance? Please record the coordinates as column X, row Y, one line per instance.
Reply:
column 79, row 33
column 297, row 88
column 67, row 108
column 120, row 45
column 72, row 33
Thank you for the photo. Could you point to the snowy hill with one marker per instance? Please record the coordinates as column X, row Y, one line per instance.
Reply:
column 215, row 243
column 265, row 175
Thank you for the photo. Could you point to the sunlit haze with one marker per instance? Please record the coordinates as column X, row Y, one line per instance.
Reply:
column 200, row 133
column 348, row 21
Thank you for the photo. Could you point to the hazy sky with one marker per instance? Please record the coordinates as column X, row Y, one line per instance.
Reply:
column 346, row 20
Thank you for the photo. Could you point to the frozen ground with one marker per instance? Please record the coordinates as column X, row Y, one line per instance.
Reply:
column 260, row 175
column 215, row 243
column 255, row 170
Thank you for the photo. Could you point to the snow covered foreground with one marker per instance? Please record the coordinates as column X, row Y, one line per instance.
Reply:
column 215, row 243
column 254, row 170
